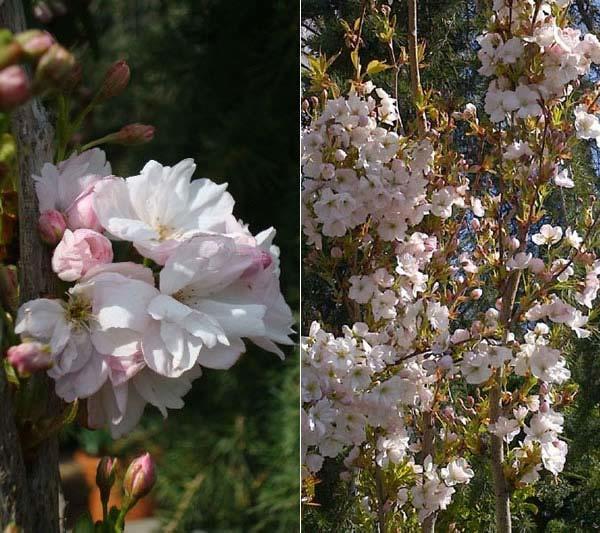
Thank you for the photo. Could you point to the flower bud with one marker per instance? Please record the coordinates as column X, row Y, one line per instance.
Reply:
column 139, row 478
column 115, row 81
column 42, row 12
column 10, row 53
column 14, row 87
column 52, row 225
column 34, row 43
column 105, row 476
column 9, row 287
column 132, row 134
column 54, row 68
column 476, row 294
column 29, row 357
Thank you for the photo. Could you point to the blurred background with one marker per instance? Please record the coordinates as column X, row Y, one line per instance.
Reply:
column 219, row 80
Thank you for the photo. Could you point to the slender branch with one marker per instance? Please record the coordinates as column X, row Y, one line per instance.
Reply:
column 413, row 57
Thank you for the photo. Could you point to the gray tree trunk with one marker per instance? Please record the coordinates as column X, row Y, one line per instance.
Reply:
column 29, row 493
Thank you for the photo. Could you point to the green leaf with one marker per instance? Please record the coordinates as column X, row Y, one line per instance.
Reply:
column 355, row 60
column 84, row 524
column 375, row 66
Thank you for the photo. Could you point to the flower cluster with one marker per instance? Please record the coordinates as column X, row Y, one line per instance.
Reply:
column 459, row 284
column 353, row 172
column 546, row 61
column 129, row 333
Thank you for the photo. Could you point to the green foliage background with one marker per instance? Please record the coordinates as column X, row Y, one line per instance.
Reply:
column 449, row 27
column 219, row 80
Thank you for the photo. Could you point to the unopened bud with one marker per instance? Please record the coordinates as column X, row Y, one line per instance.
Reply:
column 29, row 357
column 115, row 81
column 448, row 412
column 305, row 105
column 9, row 287
column 132, row 134
column 543, row 388
column 52, row 225
column 470, row 401
column 544, row 407
column 336, row 252
column 475, row 224
column 476, row 294
column 386, row 10
column 14, row 87
column 339, row 155
column 139, row 478
column 10, row 53
column 105, row 476
column 54, row 68
column 35, row 43
column 42, row 12
column 314, row 101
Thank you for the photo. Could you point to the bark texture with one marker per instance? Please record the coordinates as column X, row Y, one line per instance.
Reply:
column 501, row 489
column 33, row 499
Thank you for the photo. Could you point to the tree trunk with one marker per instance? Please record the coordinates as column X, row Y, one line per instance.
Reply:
column 38, row 498
column 501, row 490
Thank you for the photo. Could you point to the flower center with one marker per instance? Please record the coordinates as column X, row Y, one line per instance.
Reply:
column 79, row 310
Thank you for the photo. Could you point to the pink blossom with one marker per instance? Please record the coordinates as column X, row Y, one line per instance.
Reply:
column 79, row 251
column 69, row 187
column 52, row 225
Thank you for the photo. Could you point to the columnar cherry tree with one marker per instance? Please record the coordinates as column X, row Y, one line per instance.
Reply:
column 128, row 287
column 459, row 277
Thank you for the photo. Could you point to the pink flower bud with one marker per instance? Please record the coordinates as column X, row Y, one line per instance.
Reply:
column 115, row 81
column 78, row 251
column 139, row 478
column 543, row 388
column 55, row 68
column 52, row 225
column 448, row 412
column 336, row 252
column 105, row 476
column 35, row 43
column 475, row 224
column 14, row 87
column 544, row 407
column 42, row 12
column 29, row 357
column 133, row 134
column 476, row 294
